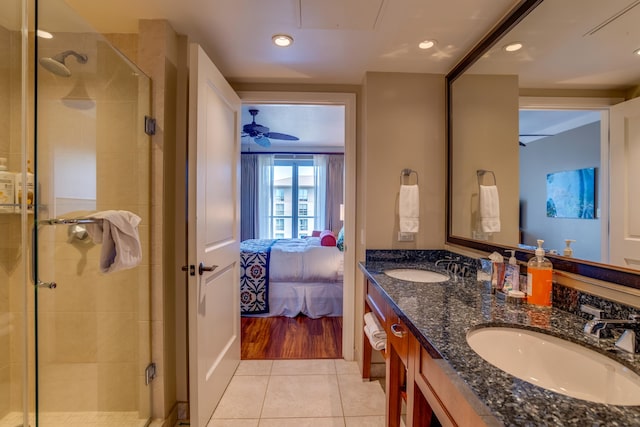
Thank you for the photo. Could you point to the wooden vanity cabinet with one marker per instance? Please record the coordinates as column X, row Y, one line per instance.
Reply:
column 433, row 395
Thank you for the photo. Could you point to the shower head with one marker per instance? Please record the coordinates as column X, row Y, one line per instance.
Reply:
column 56, row 64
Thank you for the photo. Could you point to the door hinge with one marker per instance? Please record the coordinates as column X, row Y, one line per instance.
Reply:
column 149, row 125
column 149, row 373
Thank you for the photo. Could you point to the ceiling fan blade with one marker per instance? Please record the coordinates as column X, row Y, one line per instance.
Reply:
column 254, row 129
column 262, row 141
column 276, row 135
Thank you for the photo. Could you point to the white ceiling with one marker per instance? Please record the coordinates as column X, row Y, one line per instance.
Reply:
column 568, row 43
column 336, row 41
column 320, row 128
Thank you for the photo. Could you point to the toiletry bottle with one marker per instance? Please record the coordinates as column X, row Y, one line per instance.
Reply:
column 567, row 250
column 29, row 189
column 511, row 274
column 7, row 182
column 539, row 278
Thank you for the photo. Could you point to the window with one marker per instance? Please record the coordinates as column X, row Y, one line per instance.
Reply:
column 279, row 236
column 291, row 188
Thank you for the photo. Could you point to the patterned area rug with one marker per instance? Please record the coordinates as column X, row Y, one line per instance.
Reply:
column 254, row 276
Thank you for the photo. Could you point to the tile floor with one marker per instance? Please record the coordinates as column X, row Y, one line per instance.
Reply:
column 300, row 393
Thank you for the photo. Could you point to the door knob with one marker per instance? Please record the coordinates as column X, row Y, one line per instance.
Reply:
column 202, row 268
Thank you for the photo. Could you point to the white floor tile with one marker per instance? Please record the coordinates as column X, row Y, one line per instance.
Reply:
column 243, row 397
column 302, row 422
column 360, row 398
column 303, row 367
column 233, row 423
column 254, row 367
column 344, row 368
column 376, row 421
column 302, row 396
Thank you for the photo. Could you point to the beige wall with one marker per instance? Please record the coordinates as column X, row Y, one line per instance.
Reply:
column 485, row 136
column 404, row 128
column 158, row 52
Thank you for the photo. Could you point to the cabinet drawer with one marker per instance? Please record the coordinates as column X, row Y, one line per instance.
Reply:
column 398, row 337
column 451, row 404
column 378, row 306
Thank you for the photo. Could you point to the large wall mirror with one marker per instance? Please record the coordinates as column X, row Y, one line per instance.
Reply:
column 546, row 110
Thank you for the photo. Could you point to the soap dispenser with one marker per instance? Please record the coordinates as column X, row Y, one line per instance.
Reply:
column 539, row 278
column 568, row 252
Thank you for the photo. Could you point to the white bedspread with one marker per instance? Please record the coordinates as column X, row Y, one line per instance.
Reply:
column 312, row 299
column 304, row 260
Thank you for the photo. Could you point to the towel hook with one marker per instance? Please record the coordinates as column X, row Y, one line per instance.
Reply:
column 407, row 173
column 481, row 172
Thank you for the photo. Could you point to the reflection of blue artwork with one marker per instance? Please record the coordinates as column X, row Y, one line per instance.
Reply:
column 571, row 194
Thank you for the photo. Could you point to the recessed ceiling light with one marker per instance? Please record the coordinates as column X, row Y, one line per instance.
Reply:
column 637, row 52
column 512, row 47
column 427, row 44
column 282, row 40
column 44, row 34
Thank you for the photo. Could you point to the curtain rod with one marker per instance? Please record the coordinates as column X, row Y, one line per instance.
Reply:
column 289, row 152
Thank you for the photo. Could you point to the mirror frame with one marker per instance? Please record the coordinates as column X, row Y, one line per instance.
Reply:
column 605, row 272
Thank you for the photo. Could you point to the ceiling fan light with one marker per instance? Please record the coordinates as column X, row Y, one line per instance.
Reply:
column 513, row 47
column 282, row 40
column 427, row 44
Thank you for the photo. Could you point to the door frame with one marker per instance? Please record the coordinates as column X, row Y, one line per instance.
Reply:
column 348, row 100
column 587, row 103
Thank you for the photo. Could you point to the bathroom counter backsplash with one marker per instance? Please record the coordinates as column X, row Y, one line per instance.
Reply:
column 441, row 314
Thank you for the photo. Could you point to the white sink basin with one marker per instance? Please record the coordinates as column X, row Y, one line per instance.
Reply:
column 415, row 275
column 558, row 365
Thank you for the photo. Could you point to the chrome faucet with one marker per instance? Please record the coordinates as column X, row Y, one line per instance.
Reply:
column 602, row 328
column 599, row 328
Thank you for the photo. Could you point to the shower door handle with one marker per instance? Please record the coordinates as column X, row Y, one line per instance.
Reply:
column 202, row 268
column 34, row 263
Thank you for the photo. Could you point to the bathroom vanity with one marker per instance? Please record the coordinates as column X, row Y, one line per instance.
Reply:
column 431, row 367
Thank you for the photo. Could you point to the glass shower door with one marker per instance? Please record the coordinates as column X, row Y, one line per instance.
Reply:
column 91, row 155
column 15, row 305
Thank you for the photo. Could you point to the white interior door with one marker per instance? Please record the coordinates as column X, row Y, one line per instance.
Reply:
column 213, row 218
column 625, row 177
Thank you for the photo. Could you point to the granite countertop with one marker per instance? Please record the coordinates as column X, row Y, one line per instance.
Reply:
column 441, row 314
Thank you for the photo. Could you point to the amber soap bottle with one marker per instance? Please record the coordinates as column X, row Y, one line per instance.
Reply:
column 539, row 278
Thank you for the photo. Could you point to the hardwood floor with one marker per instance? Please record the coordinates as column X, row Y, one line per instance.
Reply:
column 291, row 338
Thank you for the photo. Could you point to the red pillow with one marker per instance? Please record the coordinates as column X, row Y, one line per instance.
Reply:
column 315, row 233
column 327, row 238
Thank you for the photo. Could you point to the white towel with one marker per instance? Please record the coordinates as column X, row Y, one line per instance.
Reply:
column 118, row 234
column 409, row 208
column 489, row 209
column 374, row 326
column 377, row 344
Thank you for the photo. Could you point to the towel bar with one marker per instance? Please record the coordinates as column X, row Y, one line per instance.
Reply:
column 480, row 173
column 59, row 221
column 407, row 172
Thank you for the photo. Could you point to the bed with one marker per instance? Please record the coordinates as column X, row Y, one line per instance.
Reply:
column 286, row 277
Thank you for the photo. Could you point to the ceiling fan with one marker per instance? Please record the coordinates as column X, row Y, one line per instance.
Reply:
column 261, row 134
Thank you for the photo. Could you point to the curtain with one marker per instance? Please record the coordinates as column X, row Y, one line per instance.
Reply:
column 265, row 198
column 320, row 164
column 335, row 191
column 249, row 196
